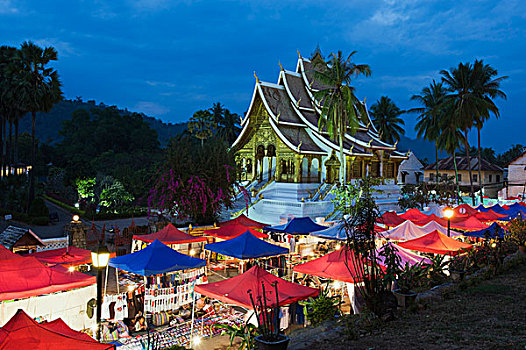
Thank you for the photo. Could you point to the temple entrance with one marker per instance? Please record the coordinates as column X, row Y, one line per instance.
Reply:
column 332, row 168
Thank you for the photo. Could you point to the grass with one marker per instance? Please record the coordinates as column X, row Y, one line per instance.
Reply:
column 488, row 315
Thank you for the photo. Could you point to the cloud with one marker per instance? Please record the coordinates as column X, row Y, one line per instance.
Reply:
column 64, row 48
column 160, row 83
column 7, row 7
column 151, row 108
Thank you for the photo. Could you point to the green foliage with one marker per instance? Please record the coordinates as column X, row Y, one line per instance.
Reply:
column 516, row 232
column 322, row 308
column 386, row 119
column 202, row 125
column 410, row 276
column 86, row 188
column 421, row 195
column 38, row 208
column 115, row 196
column 246, row 332
column 346, row 197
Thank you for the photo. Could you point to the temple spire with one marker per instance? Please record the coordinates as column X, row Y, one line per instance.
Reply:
column 257, row 79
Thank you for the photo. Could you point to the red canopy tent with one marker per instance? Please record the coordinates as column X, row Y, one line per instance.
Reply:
column 22, row 332
column 59, row 326
column 489, row 215
column 413, row 214
column 464, row 210
column 436, row 243
column 235, row 290
column 428, row 218
column 390, row 218
column 27, row 277
column 233, row 230
column 469, row 224
column 332, row 266
column 6, row 254
column 243, row 220
column 71, row 256
column 170, row 235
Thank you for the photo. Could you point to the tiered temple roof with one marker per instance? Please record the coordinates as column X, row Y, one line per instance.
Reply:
column 294, row 113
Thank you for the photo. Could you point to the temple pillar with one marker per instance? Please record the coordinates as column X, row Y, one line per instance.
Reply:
column 381, row 164
column 319, row 168
column 269, row 168
column 278, row 169
column 297, row 169
column 309, row 163
column 260, row 169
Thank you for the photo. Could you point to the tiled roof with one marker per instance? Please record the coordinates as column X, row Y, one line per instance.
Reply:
column 12, row 234
column 462, row 164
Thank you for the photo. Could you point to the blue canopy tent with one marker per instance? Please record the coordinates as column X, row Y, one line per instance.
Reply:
column 490, row 232
column 246, row 246
column 336, row 232
column 297, row 226
column 155, row 259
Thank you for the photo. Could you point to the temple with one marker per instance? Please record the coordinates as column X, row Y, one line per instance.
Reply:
column 282, row 154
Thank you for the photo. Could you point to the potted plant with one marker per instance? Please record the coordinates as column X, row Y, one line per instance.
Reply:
column 517, row 233
column 406, row 281
column 457, row 268
column 270, row 337
column 246, row 332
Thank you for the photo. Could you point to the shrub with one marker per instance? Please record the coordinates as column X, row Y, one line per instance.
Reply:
column 517, row 232
column 322, row 308
column 38, row 208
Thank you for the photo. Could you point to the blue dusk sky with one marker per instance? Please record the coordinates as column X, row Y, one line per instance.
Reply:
column 171, row 58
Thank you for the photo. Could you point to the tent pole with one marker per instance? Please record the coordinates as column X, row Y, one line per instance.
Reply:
column 106, row 281
column 193, row 317
column 117, row 279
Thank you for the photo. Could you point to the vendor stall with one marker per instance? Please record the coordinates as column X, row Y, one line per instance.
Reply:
column 67, row 256
column 170, row 236
column 246, row 246
column 435, row 243
column 493, row 231
column 22, row 332
column 233, row 230
column 243, row 221
column 45, row 292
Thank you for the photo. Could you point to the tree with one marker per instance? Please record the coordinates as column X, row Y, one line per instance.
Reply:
column 202, row 125
column 487, row 86
column 226, row 122
column 341, row 109
column 449, row 140
column 194, row 183
column 39, row 87
column 431, row 98
column 386, row 118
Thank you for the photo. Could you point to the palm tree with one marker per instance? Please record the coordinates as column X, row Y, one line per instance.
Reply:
column 431, row 98
column 449, row 140
column 229, row 126
column 464, row 104
column 40, row 89
column 340, row 108
column 488, row 87
column 386, row 118
column 201, row 125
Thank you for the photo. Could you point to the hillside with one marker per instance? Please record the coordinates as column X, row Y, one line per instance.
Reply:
column 421, row 148
column 49, row 124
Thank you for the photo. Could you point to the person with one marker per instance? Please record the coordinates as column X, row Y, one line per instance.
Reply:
column 141, row 325
column 185, row 312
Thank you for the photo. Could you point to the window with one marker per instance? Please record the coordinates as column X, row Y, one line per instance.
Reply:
column 475, row 177
column 389, row 171
column 459, row 176
column 490, row 178
column 498, row 178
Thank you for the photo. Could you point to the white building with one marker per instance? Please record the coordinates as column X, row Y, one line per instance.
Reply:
column 411, row 171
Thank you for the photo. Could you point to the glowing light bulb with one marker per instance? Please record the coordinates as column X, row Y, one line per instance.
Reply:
column 196, row 340
column 71, row 268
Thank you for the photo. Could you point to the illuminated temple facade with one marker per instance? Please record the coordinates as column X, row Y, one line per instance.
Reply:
column 282, row 156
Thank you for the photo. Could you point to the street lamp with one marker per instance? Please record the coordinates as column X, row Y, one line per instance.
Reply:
column 448, row 213
column 100, row 257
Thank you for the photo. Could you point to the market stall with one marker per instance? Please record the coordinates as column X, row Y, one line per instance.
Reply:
column 45, row 292
column 495, row 230
column 22, row 332
column 233, row 230
column 170, row 236
column 297, row 234
column 409, row 230
column 67, row 256
column 436, row 243
column 243, row 221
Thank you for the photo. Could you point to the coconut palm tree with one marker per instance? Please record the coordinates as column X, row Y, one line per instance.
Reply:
column 202, row 125
column 386, row 118
column 463, row 104
column 340, row 108
column 449, row 140
column 39, row 87
column 488, row 87
column 431, row 98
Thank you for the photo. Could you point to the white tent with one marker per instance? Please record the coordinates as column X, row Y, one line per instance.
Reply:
column 408, row 230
